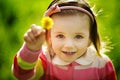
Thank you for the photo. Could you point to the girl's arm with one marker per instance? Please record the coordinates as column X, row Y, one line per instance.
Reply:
column 26, row 62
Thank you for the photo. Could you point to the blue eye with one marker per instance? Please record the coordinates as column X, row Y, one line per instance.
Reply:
column 60, row 36
column 78, row 37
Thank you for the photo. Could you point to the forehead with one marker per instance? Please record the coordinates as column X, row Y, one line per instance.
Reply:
column 71, row 22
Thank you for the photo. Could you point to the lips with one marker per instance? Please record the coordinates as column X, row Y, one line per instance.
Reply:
column 68, row 52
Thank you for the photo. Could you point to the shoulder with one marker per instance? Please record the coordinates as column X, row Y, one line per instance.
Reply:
column 98, row 61
column 106, row 67
column 103, row 61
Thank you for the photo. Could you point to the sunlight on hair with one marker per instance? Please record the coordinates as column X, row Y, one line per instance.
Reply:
column 97, row 12
column 106, row 47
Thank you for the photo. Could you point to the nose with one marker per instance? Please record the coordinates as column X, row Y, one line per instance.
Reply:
column 69, row 44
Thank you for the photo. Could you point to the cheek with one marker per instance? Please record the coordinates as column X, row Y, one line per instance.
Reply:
column 56, row 44
column 83, row 44
column 82, row 47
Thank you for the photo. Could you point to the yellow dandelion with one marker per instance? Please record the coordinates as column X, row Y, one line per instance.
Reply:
column 47, row 23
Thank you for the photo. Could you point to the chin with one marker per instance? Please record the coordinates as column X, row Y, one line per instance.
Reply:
column 68, row 60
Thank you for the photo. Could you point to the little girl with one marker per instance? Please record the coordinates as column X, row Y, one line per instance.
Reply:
column 73, row 47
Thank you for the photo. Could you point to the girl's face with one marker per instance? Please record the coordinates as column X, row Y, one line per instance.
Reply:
column 70, row 36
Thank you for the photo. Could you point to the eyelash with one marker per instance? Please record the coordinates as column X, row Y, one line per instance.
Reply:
column 78, row 37
column 60, row 36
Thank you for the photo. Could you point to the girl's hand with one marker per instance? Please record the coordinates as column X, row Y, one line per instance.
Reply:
column 34, row 38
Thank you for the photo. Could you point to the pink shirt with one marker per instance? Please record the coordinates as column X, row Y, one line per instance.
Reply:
column 96, row 68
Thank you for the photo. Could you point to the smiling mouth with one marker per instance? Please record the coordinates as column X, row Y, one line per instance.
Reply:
column 68, row 53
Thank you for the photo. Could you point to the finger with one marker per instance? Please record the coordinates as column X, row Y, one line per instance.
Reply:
column 33, row 28
column 31, row 36
column 42, row 35
column 36, row 30
column 27, row 38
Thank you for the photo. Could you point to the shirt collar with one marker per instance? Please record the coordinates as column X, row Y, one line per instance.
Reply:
column 86, row 59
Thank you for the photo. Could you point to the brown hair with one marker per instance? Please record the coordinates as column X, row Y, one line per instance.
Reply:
column 94, row 35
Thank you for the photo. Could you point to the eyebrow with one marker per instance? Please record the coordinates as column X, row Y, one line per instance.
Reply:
column 75, row 33
column 80, row 33
column 58, row 32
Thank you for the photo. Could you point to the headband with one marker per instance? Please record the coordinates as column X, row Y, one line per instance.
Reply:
column 55, row 8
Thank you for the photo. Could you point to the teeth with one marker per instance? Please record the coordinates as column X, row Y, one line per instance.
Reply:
column 69, row 52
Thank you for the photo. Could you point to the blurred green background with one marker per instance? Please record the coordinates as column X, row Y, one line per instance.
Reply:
column 16, row 16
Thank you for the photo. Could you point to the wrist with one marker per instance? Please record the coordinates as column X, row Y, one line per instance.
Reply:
column 32, row 47
column 28, row 55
